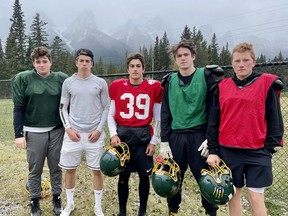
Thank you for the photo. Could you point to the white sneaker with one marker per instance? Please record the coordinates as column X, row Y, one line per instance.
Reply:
column 98, row 211
column 68, row 210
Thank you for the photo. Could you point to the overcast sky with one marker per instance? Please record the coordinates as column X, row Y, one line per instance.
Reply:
column 268, row 18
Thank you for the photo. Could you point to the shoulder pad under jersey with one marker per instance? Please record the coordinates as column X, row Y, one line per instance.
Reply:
column 278, row 84
column 165, row 79
column 214, row 69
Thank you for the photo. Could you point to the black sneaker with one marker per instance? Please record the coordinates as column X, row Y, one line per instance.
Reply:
column 142, row 214
column 35, row 207
column 57, row 209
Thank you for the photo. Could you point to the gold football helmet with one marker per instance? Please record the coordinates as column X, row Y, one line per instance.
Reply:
column 45, row 187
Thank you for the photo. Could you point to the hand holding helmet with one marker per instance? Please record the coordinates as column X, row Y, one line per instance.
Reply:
column 213, row 160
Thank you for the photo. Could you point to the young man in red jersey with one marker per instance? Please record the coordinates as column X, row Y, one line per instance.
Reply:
column 134, row 103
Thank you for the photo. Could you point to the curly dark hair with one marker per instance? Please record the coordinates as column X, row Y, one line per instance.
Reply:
column 39, row 52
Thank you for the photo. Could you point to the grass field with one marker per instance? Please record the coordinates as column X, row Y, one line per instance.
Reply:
column 14, row 171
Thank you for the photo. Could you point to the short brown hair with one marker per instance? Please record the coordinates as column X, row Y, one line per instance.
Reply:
column 184, row 44
column 39, row 52
column 243, row 47
column 138, row 56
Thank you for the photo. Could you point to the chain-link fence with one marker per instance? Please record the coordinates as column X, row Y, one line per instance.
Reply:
column 278, row 193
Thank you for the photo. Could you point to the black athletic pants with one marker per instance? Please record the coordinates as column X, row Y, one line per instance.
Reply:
column 184, row 147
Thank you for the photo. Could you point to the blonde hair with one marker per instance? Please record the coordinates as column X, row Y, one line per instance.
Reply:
column 244, row 47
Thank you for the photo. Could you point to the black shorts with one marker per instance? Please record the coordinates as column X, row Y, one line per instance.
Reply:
column 137, row 138
column 139, row 161
column 252, row 168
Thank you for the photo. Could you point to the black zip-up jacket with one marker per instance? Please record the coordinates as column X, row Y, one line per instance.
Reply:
column 275, row 128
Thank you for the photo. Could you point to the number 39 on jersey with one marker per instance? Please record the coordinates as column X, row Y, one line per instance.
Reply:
column 135, row 103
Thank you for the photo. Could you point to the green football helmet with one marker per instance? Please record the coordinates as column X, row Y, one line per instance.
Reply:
column 166, row 178
column 45, row 187
column 216, row 185
column 114, row 159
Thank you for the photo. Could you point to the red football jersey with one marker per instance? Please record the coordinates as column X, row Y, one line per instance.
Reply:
column 134, row 104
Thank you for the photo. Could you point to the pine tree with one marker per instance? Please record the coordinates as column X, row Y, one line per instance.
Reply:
column 59, row 55
column 148, row 56
column 38, row 33
column 28, row 52
column 3, row 71
column 261, row 59
column 225, row 56
column 100, row 70
column 4, row 74
column 203, row 54
column 194, row 35
column 213, row 51
column 164, row 57
column 70, row 66
column 111, row 68
column 2, row 56
column 280, row 56
column 186, row 34
column 121, row 69
column 57, row 47
column 15, row 51
column 200, row 45
column 155, row 62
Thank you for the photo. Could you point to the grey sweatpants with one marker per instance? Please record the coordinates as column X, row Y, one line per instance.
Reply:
column 40, row 146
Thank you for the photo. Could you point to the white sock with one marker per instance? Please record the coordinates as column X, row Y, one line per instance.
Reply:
column 98, row 198
column 70, row 195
